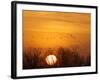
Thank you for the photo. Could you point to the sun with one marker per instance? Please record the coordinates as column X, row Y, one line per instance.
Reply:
column 51, row 60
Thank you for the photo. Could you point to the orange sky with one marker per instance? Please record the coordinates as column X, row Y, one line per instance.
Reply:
column 56, row 29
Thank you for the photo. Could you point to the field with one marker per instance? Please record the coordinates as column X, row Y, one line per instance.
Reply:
column 65, row 58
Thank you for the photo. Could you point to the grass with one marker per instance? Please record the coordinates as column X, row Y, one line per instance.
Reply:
column 34, row 58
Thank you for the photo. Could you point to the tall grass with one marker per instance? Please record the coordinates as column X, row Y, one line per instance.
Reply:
column 35, row 58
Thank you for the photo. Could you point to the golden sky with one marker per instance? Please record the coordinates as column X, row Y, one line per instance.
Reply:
column 56, row 29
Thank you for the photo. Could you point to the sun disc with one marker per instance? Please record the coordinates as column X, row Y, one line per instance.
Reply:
column 51, row 59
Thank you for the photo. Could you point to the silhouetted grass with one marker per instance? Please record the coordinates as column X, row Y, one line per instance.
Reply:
column 35, row 58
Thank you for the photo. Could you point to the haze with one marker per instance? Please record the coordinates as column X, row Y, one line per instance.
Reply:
column 43, row 29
